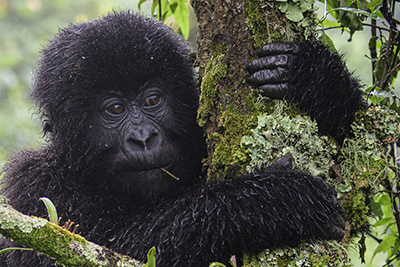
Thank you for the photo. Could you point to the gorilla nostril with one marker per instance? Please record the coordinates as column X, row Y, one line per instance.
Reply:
column 136, row 143
column 152, row 141
column 143, row 140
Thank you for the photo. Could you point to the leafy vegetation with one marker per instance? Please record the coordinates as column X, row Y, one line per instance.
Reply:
column 372, row 133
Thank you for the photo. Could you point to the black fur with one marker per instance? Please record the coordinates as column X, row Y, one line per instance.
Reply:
column 313, row 77
column 191, row 223
column 334, row 106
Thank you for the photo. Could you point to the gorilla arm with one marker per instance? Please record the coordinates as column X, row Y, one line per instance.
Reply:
column 272, row 209
column 312, row 76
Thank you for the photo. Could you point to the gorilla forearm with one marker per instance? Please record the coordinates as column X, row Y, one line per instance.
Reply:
column 298, row 207
column 324, row 87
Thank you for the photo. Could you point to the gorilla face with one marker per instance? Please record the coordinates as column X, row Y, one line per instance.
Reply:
column 142, row 148
column 138, row 122
column 119, row 105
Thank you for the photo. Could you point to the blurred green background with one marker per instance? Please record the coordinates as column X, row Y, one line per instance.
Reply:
column 25, row 27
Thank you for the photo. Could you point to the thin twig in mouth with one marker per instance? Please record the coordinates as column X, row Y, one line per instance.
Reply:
column 170, row 174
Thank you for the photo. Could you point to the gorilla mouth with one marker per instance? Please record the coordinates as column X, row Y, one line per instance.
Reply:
column 151, row 171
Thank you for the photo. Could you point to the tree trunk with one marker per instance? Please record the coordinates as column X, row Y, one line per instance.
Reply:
column 228, row 34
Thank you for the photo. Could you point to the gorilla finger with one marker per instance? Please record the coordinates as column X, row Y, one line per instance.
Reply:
column 275, row 48
column 284, row 162
column 275, row 91
column 336, row 233
column 266, row 76
column 268, row 62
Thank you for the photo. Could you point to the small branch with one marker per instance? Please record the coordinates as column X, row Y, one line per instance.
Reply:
column 374, row 26
column 372, row 49
column 374, row 237
column 68, row 249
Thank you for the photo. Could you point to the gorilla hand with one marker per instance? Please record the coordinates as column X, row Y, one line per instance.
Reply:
column 314, row 78
column 270, row 72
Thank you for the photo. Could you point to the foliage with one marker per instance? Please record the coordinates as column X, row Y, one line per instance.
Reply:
column 163, row 9
column 151, row 258
column 51, row 209
column 294, row 9
column 375, row 146
column 306, row 254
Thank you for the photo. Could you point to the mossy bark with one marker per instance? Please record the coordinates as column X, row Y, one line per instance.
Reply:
column 228, row 34
column 68, row 249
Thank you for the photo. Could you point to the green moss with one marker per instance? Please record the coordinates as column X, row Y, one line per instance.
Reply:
column 228, row 154
column 365, row 162
column 279, row 133
column 42, row 235
column 279, row 21
column 307, row 254
column 9, row 220
column 214, row 71
column 258, row 24
column 356, row 212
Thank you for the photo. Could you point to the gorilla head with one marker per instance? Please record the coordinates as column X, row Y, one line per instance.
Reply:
column 119, row 109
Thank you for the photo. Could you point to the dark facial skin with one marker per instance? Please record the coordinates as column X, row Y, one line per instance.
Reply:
column 142, row 144
column 142, row 150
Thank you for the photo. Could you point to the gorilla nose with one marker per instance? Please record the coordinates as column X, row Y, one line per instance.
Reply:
column 142, row 139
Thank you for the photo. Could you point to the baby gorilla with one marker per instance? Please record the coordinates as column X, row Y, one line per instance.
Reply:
column 118, row 103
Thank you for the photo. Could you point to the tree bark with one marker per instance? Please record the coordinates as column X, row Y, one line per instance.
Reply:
column 67, row 248
column 228, row 34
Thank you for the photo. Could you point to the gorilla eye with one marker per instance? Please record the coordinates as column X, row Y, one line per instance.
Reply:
column 152, row 100
column 115, row 109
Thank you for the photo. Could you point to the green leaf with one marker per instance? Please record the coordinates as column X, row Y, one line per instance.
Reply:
column 330, row 23
column 165, row 10
column 181, row 15
column 387, row 243
column 374, row 5
column 140, row 4
column 293, row 12
column 395, row 249
column 359, row 12
column 13, row 248
column 51, row 209
column 151, row 258
column 217, row 264
column 376, row 209
column 327, row 42
column 153, row 8
column 384, row 221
